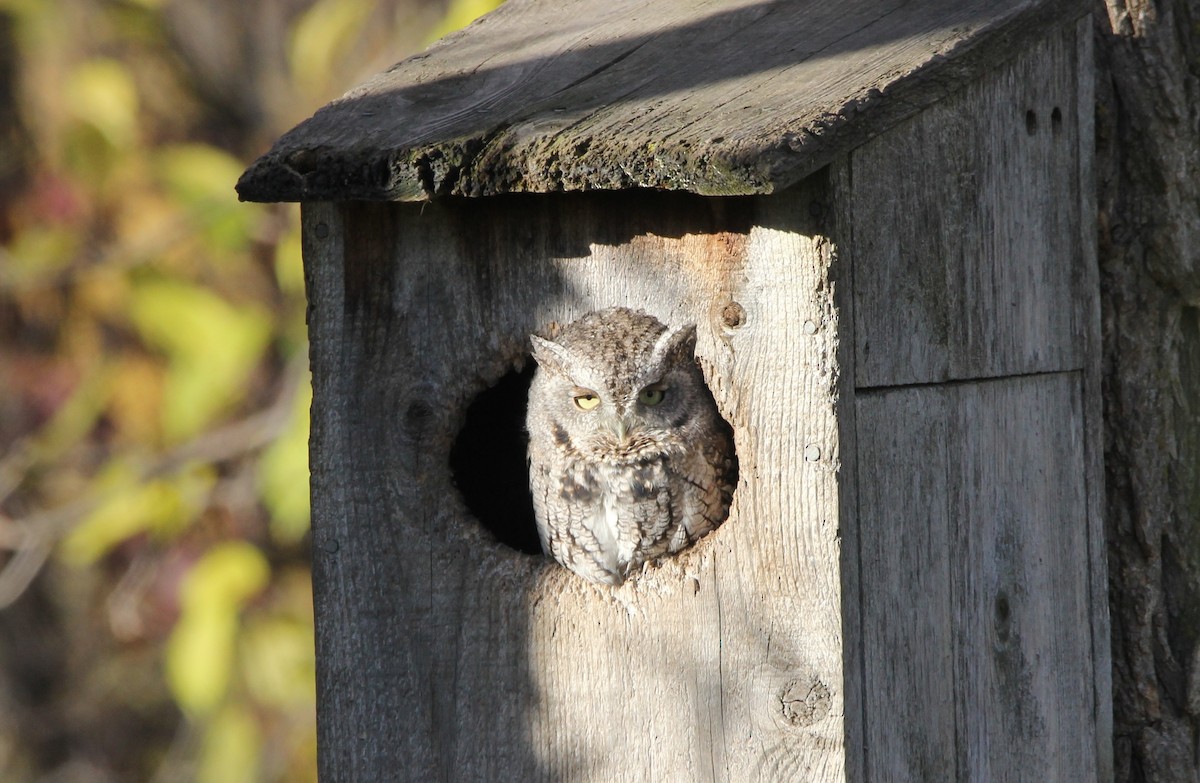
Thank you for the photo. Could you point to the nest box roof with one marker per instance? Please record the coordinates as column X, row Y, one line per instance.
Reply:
column 726, row 97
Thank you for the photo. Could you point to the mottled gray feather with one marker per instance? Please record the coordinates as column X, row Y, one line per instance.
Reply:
column 624, row 483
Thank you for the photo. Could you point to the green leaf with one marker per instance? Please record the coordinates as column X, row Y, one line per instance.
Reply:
column 200, row 651
column 283, row 474
column 211, row 345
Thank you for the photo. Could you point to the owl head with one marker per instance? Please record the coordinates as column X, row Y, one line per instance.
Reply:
column 616, row 385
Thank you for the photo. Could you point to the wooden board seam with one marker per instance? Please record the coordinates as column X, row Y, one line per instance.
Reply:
column 964, row 381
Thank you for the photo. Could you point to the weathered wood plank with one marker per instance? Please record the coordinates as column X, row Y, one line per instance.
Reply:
column 974, row 522
column 854, row 581
column 444, row 655
column 967, row 250
column 905, row 533
column 724, row 97
column 1093, row 414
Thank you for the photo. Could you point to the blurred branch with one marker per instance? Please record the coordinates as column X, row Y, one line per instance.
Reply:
column 32, row 539
column 13, row 467
column 32, row 548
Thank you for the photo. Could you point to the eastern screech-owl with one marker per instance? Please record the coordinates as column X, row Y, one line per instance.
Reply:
column 629, row 458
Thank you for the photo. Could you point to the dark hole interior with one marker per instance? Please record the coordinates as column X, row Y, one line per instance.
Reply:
column 489, row 466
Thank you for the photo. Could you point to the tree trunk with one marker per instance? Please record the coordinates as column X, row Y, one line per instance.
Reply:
column 1148, row 175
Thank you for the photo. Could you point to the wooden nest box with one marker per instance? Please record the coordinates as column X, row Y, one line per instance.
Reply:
column 880, row 217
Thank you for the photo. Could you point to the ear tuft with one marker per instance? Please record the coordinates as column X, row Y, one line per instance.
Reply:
column 548, row 353
column 677, row 345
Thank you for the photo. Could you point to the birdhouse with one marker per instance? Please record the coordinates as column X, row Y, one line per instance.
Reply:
column 879, row 218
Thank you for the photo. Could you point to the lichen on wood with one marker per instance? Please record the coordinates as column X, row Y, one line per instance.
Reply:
column 743, row 98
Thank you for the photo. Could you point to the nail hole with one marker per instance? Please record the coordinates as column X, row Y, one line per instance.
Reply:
column 1056, row 121
column 1031, row 122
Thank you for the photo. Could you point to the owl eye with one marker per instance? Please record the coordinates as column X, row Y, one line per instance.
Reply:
column 586, row 401
column 651, row 395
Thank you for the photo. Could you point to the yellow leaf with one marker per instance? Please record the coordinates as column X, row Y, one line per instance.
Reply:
column 161, row 507
column 321, row 38
column 199, row 657
column 212, row 347
column 202, row 178
column 283, row 474
column 18, row 6
column 231, row 751
column 460, row 14
column 289, row 264
column 227, row 575
column 200, row 173
column 201, row 648
column 278, row 662
column 101, row 94
column 38, row 251
column 136, row 404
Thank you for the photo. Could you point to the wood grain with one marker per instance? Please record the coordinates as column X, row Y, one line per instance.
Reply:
column 974, row 527
column 446, row 656
column 911, row 582
column 1093, row 408
column 718, row 97
column 966, row 236
column 969, row 260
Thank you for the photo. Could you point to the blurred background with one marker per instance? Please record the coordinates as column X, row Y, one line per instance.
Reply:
column 155, row 602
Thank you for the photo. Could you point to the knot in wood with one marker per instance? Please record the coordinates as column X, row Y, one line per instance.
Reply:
column 417, row 418
column 804, row 701
column 1003, row 617
column 733, row 315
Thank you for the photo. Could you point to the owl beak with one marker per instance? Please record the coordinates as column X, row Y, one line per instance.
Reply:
column 621, row 430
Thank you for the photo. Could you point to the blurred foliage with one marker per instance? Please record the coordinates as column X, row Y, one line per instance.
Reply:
column 154, row 575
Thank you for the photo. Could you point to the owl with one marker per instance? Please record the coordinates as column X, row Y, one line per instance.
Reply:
column 629, row 458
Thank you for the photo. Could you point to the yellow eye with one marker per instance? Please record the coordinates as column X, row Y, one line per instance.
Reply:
column 586, row 401
column 651, row 395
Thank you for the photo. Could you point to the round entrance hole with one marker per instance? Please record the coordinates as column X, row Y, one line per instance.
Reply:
column 488, row 462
